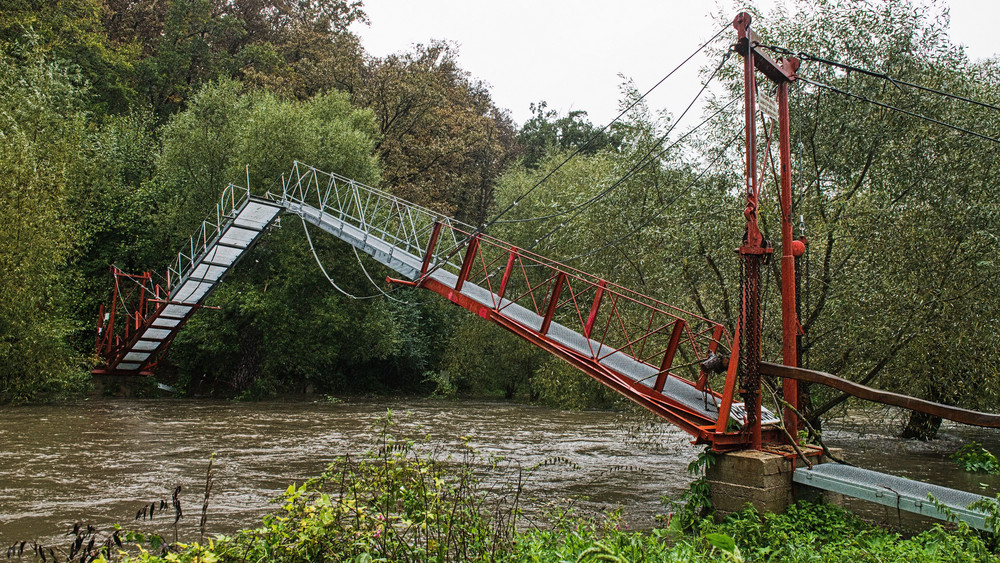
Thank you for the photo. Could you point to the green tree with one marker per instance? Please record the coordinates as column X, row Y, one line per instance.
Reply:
column 281, row 324
column 72, row 31
column 573, row 132
column 442, row 140
column 44, row 146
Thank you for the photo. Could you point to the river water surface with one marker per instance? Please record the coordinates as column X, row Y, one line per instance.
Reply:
column 101, row 460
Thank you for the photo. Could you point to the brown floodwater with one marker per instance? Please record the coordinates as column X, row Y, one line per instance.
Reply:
column 99, row 461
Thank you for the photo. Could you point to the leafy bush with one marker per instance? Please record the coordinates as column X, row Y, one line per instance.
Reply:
column 974, row 458
column 389, row 504
column 394, row 503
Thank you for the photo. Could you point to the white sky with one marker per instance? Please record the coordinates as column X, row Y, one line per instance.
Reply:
column 570, row 52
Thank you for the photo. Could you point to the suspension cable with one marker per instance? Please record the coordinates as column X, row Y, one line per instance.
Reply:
column 641, row 159
column 898, row 109
column 375, row 285
column 645, row 161
column 896, row 81
column 660, row 209
column 518, row 199
column 322, row 269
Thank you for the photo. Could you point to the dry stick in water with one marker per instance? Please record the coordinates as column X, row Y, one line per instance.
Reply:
column 178, row 513
column 209, row 477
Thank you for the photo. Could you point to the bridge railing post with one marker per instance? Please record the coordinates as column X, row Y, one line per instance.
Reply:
column 598, row 295
column 431, row 244
column 506, row 274
column 550, row 311
column 730, row 388
column 668, row 356
column 470, row 258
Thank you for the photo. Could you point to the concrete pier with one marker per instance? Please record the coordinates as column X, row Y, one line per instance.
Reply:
column 762, row 479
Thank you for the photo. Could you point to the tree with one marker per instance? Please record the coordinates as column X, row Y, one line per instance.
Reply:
column 443, row 142
column 44, row 146
column 572, row 132
column 281, row 324
column 72, row 31
column 183, row 44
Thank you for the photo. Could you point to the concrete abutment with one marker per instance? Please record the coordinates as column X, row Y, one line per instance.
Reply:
column 762, row 479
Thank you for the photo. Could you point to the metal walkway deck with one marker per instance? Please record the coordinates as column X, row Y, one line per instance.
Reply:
column 214, row 249
column 414, row 241
column 889, row 490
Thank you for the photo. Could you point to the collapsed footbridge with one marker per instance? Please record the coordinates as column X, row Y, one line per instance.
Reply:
column 658, row 355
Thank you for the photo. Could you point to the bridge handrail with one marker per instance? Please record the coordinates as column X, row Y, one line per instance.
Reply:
column 651, row 318
column 639, row 320
column 403, row 224
column 232, row 199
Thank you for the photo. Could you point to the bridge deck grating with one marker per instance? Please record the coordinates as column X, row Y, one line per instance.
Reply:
column 890, row 490
column 409, row 265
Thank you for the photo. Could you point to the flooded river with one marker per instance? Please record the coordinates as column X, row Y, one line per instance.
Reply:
column 101, row 460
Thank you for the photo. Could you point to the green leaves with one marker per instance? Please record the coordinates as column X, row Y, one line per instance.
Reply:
column 974, row 458
column 44, row 146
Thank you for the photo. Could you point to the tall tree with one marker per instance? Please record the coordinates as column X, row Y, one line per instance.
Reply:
column 443, row 141
column 573, row 131
column 44, row 148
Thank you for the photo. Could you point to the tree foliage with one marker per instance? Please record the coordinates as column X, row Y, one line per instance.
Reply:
column 44, row 158
column 546, row 130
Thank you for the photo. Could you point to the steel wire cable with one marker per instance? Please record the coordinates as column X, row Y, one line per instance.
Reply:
column 898, row 109
column 476, row 231
column 661, row 209
column 513, row 204
column 882, row 75
column 375, row 285
column 645, row 161
column 325, row 274
column 642, row 159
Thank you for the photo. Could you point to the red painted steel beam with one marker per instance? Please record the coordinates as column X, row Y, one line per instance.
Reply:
column 694, row 423
column 553, row 302
column 789, row 317
column 598, row 296
column 431, row 244
column 511, row 256
column 470, row 259
column 730, row 387
column 781, row 72
column 668, row 356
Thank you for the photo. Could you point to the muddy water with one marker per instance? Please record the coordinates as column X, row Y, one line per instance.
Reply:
column 99, row 461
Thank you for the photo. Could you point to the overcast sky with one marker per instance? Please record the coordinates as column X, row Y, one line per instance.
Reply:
column 570, row 53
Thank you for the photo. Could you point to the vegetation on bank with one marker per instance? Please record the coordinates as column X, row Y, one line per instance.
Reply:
column 401, row 501
column 122, row 120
